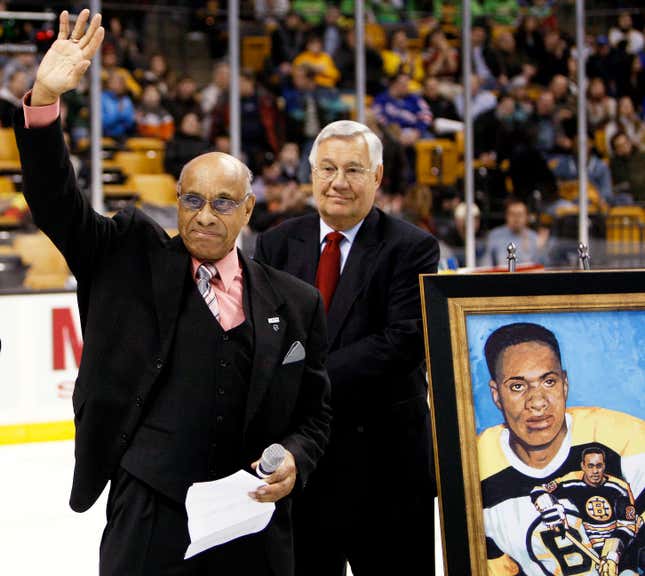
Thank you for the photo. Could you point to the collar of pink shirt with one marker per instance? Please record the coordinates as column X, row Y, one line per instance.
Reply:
column 228, row 268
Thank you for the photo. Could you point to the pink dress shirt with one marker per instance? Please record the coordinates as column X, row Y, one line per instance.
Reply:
column 228, row 285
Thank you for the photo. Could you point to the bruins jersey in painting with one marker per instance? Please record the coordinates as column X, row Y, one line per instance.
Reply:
column 518, row 543
column 607, row 510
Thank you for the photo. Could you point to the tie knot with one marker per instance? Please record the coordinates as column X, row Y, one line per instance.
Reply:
column 334, row 238
column 206, row 272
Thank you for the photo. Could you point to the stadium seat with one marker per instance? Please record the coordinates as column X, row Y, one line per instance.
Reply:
column 255, row 50
column 139, row 161
column 626, row 230
column 143, row 143
column 6, row 186
column 375, row 34
column 47, row 267
column 436, row 162
column 157, row 189
column 9, row 157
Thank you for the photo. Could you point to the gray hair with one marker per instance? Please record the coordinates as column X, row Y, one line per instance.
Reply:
column 248, row 188
column 349, row 129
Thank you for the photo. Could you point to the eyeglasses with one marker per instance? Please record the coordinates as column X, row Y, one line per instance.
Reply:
column 353, row 174
column 195, row 203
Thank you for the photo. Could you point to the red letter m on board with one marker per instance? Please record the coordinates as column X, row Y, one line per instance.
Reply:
column 64, row 333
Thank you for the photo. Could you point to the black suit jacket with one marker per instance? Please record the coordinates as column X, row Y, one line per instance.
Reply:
column 376, row 353
column 130, row 278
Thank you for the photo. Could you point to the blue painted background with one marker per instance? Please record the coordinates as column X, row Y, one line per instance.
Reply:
column 602, row 352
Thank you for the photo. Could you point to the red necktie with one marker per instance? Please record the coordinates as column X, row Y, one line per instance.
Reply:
column 329, row 267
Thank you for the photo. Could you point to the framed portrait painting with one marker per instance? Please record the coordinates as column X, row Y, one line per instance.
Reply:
column 537, row 390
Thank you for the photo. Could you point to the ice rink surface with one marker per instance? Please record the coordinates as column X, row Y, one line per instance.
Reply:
column 39, row 533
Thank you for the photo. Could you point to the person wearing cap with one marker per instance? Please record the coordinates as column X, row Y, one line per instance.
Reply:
column 375, row 486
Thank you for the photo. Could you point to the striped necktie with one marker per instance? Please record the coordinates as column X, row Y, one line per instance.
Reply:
column 205, row 275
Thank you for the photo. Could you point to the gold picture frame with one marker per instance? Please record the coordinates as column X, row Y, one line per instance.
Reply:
column 450, row 304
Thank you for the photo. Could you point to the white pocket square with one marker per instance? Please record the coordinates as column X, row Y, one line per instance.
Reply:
column 295, row 354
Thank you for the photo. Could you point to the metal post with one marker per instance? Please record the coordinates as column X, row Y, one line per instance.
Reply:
column 234, row 93
column 469, row 181
column 96, row 130
column 583, row 215
column 359, row 16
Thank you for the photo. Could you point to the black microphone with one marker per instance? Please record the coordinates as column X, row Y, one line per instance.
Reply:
column 271, row 459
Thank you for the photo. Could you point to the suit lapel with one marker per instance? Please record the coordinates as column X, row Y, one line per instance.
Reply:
column 169, row 266
column 268, row 336
column 356, row 273
column 304, row 251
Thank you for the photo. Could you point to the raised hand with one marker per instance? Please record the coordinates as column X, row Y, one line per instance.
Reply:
column 68, row 58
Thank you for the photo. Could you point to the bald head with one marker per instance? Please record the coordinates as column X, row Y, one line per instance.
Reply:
column 208, row 232
column 217, row 161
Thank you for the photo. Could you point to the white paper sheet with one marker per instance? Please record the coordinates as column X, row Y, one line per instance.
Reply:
column 222, row 510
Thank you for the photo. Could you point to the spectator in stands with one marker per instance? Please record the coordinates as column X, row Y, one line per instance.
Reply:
column 15, row 86
column 25, row 59
column 346, row 61
column 289, row 159
column 186, row 144
column 555, row 59
column 117, row 108
column 601, row 109
column 598, row 59
column 516, row 230
column 482, row 57
column 110, row 65
column 152, row 119
column 440, row 59
column 440, row 106
column 214, row 92
column 529, row 41
column 625, row 32
column 327, row 75
column 454, row 234
column 272, row 10
column 125, row 44
column 260, row 126
column 330, row 31
column 504, row 12
column 565, row 168
column 287, row 41
column 399, row 58
column 507, row 61
column 397, row 171
column 308, row 108
column 482, row 100
column 159, row 73
column 311, row 11
column 267, row 174
column 185, row 99
column 545, row 123
column 626, row 121
column 627, row 168
column 407, row 114
column 560, row 87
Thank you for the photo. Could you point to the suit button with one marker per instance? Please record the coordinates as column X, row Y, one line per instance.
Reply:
column 213, row 445
column 159, row 363
column 212, row 472
column 124, row 439
column 223, row 363
column 360, row 429
column 220, row 391
column 139, row 401
column 219, row 419
column 225, row 337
